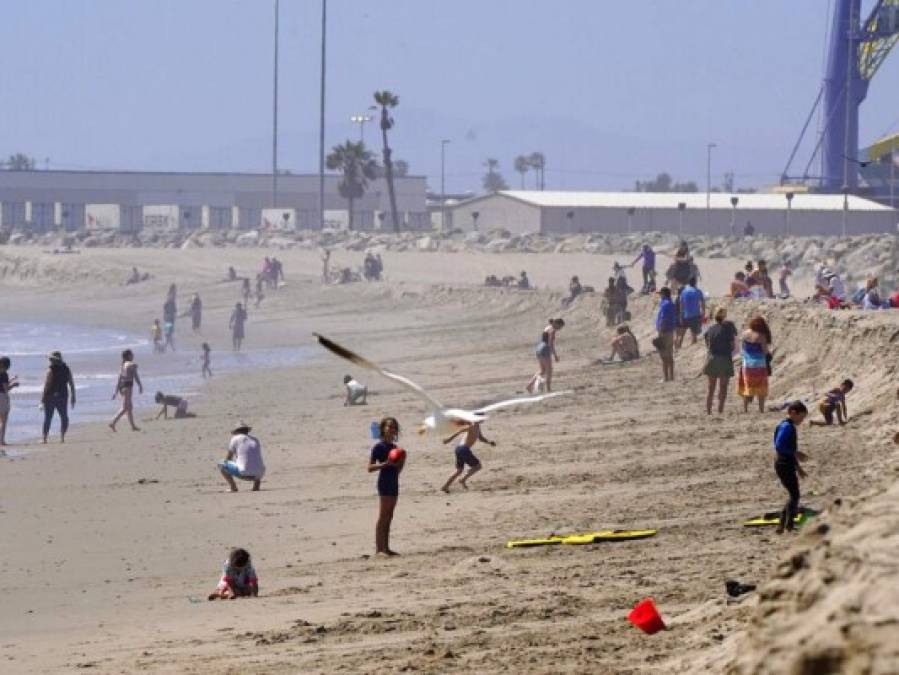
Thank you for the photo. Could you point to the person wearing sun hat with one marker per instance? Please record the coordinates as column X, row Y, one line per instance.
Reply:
column 243, row 459
column 55, row 396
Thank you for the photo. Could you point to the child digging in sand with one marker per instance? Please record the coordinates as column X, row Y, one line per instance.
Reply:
column 787, row 467
column 238, row 578
column 834, row 402
column 464, row 455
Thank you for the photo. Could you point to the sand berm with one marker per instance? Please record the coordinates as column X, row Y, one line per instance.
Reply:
column 112, row 541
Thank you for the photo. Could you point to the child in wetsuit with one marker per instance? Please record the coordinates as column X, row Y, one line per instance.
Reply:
column 787, row 467
column 834, row 402
column 238, row 578
column 388, row 482
column 464, row 455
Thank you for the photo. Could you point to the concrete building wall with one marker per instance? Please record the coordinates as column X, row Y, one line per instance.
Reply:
column 494, row 212
column 251, row 192
column 515, row 215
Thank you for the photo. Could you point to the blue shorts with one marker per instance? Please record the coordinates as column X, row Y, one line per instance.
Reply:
column 464, row 456
column 232, row 469
column 694, row 323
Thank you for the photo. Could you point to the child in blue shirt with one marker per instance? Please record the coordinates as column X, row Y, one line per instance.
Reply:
column 835, row 402
column 787, row 467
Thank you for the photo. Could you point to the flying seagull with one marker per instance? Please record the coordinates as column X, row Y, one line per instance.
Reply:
column 444, row 421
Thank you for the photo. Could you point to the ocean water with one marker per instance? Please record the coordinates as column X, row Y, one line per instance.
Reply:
column 94, row 355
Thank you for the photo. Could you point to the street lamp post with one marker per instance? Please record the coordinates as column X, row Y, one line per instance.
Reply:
column 443, row 144
column 789, row 196
column 681, row 207
column 474, row 220
column 361, row 119
column 845, row 207
column 570, row 216
column 630, row 218
column 708, row 187
column 733, row 215
column 275, row 115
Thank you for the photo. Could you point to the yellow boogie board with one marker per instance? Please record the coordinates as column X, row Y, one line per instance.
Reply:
column 608, row 535
column 586, row 538
column 773, row 518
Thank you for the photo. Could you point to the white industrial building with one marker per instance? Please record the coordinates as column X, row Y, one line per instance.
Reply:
column 689, row 213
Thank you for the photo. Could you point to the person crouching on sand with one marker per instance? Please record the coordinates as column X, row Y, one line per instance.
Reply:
column 388, row 482
column 238, row 580
column 179, row 404
column 624, row 345
column 464, row 455
column 128, row 377
column 787, row 467
column 835, row 402
column 243, row 459
column 356, row 394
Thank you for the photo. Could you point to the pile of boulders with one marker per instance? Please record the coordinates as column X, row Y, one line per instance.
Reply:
column 855, row 256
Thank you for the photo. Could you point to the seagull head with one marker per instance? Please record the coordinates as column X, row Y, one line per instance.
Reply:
column 428, row 424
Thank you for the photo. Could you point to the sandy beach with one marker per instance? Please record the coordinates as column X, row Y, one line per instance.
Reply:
column 113, row 540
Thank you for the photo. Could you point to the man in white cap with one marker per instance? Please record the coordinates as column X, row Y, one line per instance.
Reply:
column 244, row 458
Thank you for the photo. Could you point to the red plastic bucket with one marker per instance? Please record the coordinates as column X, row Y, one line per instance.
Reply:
column 646, row 617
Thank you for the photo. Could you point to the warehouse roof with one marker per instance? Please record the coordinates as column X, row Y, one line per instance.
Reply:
column 693, row 200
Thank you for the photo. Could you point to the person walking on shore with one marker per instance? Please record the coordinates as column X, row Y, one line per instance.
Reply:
column 6, row 384
column 206, row 358
column 128, row 377
column 546, row 352
column 236, row 324
column 55, row 397
column 752, row 381
column 388, row 481
column 196, row 312
column 692, row 311
column 169, row 312
column 721, row 340
column 666, row 322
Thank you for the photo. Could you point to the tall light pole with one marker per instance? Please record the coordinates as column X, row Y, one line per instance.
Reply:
column 681, row 207
column 845, row 207
column 789, row 196
column 443, row 144
column 708, row 187
column 321, row 126
column 361, row 119
column 733, row 214
column 893, row 172
column 275, row 115
column 630, row 218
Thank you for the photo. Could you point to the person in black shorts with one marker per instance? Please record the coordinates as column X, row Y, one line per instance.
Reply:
column 464, row 455
column 388, row 482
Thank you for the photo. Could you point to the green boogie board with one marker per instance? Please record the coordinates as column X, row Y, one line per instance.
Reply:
column 585, row 538
column 773, row 518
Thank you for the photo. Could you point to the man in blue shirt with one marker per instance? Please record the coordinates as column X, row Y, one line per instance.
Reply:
column 786, row 444
column 692, row 309
column 666, row 322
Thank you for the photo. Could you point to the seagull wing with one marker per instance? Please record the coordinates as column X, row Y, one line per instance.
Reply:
column 362, row 362
column 516, row 401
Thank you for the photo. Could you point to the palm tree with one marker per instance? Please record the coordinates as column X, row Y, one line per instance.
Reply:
column 358, row 166
column 538, row 161
column 388, row 100
column 493, row 180
column 522, row 166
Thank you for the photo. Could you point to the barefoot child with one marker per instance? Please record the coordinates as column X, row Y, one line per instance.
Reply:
column 464, row 455
column 356, row 394
column 388, row 482
column 207, row 371
column 156, row 334
column 834, row 402
column 176, row 402
column 787, row 467
column 238, row 578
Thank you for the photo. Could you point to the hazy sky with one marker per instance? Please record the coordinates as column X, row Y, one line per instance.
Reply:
column 610, row 91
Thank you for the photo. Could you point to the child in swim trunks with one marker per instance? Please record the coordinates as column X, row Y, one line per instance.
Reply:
column 464, row 455
column 834, row 402
column 238, row 578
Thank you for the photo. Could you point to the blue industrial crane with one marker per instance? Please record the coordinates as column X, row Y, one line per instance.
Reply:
column 856, row 51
